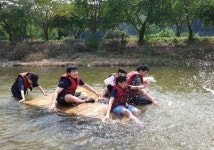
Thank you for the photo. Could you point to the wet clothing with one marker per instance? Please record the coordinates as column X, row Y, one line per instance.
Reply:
column 61, row 99
column 110, row 83
column 72, row 86
column 117, row 110
column 135, row 97
column 138, row 100
column 134, row 78
column 120, row 95
column 66, row 84
column 120, row 99
column 21, row 83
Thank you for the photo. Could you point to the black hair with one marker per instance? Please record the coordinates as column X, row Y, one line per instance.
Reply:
column 71, row 68
column 122, row 70
column 34, row 78
column 121, row 78
column 142, row 67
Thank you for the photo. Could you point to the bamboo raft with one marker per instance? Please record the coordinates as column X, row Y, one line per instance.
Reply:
column 93, row 110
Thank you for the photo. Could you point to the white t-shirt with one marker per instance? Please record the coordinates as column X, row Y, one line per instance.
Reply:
column 110, row 80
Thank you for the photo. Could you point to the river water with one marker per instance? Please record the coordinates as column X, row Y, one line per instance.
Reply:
column 185, row 120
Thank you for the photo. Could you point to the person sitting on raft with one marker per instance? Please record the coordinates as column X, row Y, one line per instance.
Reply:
column 110, row 82
column 136, row 78
column 65, row 93
column 23, row 82
column 118, row 100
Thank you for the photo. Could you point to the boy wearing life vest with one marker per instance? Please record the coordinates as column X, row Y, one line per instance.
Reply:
column 137, row 78
column 65, row 93
column 23, row 82
column 118, row 100
column 110, row 81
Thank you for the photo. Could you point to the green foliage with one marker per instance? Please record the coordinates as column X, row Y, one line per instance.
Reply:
column 155, row 31
column 207, row 13
column 116, row 34
column 92, row 42
column 22, row 19
column 165, row 33
column 3, row 35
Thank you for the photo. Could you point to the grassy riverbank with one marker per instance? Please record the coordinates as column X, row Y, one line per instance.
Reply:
column 156, row 52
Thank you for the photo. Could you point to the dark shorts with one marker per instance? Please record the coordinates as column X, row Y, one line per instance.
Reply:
column 139, row 100
column 61, row 99
column 16, row 93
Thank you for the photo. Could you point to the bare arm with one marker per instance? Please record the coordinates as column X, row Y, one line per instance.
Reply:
column 55, row 95
column 150, row 98
column 23, row 97
column 86, row 86
column 143, row 92
column 109, row 108
column 41, row 90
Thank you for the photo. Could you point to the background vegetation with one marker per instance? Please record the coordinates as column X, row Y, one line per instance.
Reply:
column 24, row 20
column 104, row 26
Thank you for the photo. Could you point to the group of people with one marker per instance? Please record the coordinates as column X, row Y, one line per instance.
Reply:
column 123, row 90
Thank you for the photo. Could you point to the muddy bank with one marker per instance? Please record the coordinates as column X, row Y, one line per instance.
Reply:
column 161, row 52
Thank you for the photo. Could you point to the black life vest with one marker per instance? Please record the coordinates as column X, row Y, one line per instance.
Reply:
column 73, row 86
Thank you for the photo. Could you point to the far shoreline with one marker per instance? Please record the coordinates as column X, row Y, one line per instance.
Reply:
column 52, row 63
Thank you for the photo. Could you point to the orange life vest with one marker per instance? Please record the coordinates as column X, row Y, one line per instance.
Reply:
column 25, row 80
column 131, row 76
column 121, row 96
column 73, row 86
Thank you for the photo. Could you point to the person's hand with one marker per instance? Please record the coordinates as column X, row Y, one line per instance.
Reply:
column 22, row 101
column 45, row 94
column 98, row 94
column 52, row 107
column 146, row 84
column 156, row 103
column 105, row 118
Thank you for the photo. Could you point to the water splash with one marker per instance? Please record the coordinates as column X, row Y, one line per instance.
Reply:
column 150, row 79
column 209, row 90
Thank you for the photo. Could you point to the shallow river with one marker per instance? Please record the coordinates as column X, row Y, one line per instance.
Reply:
column 185, row 120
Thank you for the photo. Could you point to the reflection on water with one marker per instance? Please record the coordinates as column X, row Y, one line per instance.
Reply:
column 185, row 119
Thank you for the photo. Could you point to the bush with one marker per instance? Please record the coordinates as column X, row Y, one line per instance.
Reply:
column 116, row 34
column 163, row 33
column 92, row 42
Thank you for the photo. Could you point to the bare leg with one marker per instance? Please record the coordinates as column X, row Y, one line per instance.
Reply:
column 83, row 96
column 129, row 114
column 73, row 99
column 136, row 112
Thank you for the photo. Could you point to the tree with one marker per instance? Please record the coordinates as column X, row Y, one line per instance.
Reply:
column 191, row 10
column 14, row 16
column 173, row 14
column 91, row 11
column 207, row 13
column 141, row 13
column 43, row 12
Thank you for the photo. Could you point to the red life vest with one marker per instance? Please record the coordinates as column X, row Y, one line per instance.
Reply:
column 121, row 96
column 25, row 80
column 131, row 76
column 73, row 86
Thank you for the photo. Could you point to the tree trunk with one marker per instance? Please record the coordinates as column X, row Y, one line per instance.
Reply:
column 45, row 29
column 189, row 26
column 178, row 30
column 141, row 34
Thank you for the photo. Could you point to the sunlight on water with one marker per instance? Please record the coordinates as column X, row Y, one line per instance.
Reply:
column 184, row 120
